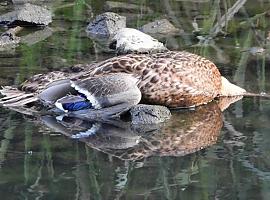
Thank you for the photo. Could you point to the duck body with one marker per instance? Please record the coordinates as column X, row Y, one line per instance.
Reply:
column 173, row 78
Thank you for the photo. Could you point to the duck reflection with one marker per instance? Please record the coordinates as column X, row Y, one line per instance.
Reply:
column 188, row 131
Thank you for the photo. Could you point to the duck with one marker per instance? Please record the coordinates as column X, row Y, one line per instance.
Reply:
column 176, row 79
column 154, row 75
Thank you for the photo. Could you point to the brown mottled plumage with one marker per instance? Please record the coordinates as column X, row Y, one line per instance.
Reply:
column 173, row 78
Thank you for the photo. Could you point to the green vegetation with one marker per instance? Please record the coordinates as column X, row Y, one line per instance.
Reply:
column 35, row 163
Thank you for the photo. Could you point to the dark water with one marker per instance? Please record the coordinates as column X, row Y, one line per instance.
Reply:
column 193, row 156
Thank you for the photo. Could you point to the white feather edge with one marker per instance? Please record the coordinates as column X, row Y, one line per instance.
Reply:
column 59, row 106
column 60, row 117
column 88, row 95
column 89, row 132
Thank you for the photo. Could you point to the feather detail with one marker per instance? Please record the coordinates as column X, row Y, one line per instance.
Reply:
column 90, row 97
column 173, row 79
column 60, row 106
column 14, row 97
column 73, row 103
column 92, row 131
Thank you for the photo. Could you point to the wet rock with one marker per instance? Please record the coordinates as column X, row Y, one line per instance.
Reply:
column 3, row 3
column 161, row 27
column 106, row 25
column 29, row 1
column 195, row 1
column 101, row 45
column 27, row 14
column 9, row 39
column 37, row 36
column 125, row 7
column 128, row 40
column 149, row 114
column 172, row 43
column 256, row 50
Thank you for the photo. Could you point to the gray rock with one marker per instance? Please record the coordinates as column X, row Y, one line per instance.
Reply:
column 162, row 27
column 106, row 25
column 27, row 13
column 9, row 39
column 149, row 114
column 3, row 3
column 125, row 7
column 30, row 1
column 128, row 40
column 37, row 36
column 256, row 50
column 195, row 1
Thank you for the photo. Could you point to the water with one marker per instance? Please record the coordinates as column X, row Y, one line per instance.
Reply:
column 211, row 160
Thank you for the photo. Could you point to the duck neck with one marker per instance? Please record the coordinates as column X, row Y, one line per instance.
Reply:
column 229, row 89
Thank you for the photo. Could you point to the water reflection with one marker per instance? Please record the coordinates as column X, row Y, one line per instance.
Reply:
column 188, row 131
column 97, row 165
column 37, row 163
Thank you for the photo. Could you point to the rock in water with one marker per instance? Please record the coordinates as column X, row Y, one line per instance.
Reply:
column 27, row 14
column 30, row 1
column 126, row 7
column 106, row 25
column 9, row 39
column 129, row 40
column 162, row 27
column 149, row 114
column 37, row 36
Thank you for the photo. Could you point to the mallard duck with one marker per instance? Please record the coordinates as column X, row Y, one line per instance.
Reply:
column 173, row 79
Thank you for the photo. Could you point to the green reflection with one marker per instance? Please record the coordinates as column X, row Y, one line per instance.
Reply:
column 39, row 164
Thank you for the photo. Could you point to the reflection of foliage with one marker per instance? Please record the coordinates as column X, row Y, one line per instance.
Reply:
column 31, row 62
column 35, row 165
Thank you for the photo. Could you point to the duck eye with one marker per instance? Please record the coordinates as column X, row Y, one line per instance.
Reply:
column 113, row 45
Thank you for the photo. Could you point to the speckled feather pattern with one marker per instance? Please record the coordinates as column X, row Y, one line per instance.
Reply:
column 39, row 82
column 173, row 78
column 105, row 85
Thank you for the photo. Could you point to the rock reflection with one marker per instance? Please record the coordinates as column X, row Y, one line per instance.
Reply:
column 188, row 131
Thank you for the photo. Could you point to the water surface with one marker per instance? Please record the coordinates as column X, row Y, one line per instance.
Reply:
column 230, row 161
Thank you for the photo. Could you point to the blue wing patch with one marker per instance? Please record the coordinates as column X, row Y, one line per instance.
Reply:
column 74, row 106
column 74, row 103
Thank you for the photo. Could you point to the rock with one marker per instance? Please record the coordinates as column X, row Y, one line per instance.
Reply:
column 3, row 3
column 29, row 1
column 101, row 45
column 9, row 39
column 162, row 27
column 149, row 114
column 125, row 7
column 106, row 25
column 256, row 50
column 195, row 1
column 172, row 43
column 128, row 40
column 27, row 14
column 37, row 36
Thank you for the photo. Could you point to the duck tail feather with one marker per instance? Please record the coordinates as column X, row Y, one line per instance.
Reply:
column 15, row 98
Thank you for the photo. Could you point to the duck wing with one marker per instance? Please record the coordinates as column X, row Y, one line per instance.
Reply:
column 103, row 92
column 29, row 90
